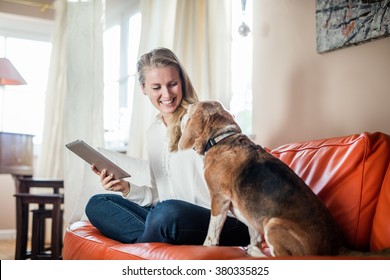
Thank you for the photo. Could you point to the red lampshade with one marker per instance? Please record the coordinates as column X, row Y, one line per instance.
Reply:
column 8, row 74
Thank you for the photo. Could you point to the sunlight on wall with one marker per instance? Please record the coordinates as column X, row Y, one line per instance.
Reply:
column 241, row 103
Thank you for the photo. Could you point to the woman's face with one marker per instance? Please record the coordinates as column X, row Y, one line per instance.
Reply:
column 163, row 87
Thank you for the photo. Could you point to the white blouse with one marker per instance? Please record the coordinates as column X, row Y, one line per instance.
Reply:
column 177, row 175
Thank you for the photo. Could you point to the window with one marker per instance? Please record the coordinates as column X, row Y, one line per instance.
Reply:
column 121, row 43
column 22, row 107
column 241, row 57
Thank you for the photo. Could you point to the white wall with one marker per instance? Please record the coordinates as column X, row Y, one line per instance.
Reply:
column 301, row 95
column 7, row 207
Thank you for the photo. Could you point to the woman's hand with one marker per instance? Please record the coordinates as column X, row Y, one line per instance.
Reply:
column 109, row 184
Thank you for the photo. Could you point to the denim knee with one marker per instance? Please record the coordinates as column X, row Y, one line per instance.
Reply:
column 171, row 221
column 164, row 214
column 116, row 217
column 93, row 206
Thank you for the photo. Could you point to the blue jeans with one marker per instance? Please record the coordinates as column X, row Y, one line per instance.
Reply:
column 171, row 221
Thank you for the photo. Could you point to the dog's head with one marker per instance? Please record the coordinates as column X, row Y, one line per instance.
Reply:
column 203, row 121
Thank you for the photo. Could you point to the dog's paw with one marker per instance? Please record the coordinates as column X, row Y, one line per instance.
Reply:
column 254, row 251
column 209, row 242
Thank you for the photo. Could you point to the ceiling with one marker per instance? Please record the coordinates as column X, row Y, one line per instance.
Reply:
column 33, row 8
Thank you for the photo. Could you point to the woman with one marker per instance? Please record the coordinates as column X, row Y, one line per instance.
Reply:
column 175, row 208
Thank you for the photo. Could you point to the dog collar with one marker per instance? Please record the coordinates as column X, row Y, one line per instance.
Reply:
column 213, row 141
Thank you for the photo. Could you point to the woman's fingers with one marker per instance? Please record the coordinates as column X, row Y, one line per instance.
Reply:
column 107, row 180
column 95, row 170
column 113, row 185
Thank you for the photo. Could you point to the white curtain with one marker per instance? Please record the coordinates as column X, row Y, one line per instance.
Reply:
column 74, row 108
column 199, row 34
column 52, row 139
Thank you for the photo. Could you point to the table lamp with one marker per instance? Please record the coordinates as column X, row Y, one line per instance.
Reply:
column 8, row 74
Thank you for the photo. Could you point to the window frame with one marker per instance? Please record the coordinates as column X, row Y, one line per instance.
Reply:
column 120, row 15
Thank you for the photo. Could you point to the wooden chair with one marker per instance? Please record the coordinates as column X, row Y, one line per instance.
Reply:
column 23, row 200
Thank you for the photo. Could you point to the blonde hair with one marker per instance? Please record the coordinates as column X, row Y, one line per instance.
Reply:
column 163, row 57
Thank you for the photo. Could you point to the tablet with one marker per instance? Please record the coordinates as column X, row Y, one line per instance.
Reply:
column 90, row 155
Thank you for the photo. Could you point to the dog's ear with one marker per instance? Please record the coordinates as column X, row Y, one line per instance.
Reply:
column 200, row 135
column 201, row 142
column 190, row 130
column 204, row 116
column 195, row 133
column 187, row 138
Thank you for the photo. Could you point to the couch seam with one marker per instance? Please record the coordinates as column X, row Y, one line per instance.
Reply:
column 362, row 186
column 275, row 151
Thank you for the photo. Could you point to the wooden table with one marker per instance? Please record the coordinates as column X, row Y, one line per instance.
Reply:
column 23, row 200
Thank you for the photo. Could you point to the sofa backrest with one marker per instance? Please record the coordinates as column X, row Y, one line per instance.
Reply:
column 351, row 176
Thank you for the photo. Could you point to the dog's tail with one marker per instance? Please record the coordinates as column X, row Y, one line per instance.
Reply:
column 384, row 253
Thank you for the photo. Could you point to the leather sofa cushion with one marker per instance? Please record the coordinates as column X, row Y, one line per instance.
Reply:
column 347, row 174
column 380, row 235
column 84, row 241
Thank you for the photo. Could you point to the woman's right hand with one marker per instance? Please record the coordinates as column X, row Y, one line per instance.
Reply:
column 110, row 184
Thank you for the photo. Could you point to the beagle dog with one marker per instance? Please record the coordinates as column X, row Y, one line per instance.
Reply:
column 258, row 188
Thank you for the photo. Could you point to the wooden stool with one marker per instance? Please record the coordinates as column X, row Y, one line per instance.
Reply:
column 38, row 240
column 38, row 246
column 23, row 199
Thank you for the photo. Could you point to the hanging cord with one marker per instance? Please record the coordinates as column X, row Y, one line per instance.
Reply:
column 243, row 29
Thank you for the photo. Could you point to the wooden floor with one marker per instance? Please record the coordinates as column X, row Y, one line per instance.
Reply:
column 7, row 249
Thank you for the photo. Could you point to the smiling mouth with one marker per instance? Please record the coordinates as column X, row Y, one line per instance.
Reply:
column 167, row 102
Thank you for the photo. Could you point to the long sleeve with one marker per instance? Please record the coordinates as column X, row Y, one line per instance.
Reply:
column 142, row 190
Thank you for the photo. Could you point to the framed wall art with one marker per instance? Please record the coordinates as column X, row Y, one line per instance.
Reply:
column 342, row 23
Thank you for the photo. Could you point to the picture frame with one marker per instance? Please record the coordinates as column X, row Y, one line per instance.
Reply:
column 343, row 23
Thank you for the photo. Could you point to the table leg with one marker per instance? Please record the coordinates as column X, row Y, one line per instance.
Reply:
column 21, row 230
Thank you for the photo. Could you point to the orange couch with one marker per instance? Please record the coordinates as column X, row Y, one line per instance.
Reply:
column 350, row 174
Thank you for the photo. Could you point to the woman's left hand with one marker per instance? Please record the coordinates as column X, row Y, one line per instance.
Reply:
column 110, row 184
